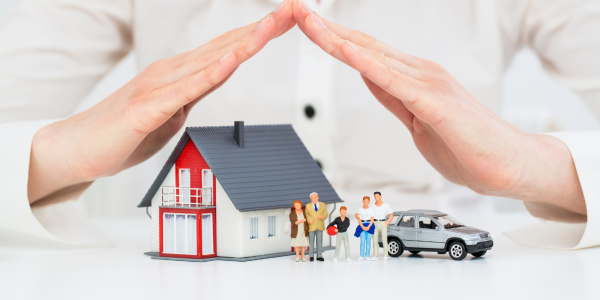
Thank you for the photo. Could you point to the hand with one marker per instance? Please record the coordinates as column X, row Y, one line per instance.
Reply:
column 460, row 137
column 138, row 119
column 319, row 217
column 311, row 222
column 336, row 230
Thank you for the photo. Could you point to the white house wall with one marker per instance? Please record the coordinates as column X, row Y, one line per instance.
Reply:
column 229, row 225
column 156, row 202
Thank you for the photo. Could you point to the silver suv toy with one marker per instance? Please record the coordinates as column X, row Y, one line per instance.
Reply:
column 433, row 231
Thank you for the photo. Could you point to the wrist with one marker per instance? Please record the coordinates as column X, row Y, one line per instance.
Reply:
column 546, row 174
column 49, row 167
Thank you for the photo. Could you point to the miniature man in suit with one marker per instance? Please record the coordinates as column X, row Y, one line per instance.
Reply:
column 315, row 215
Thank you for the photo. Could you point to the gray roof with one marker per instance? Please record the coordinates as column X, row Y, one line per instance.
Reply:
column 271, row 171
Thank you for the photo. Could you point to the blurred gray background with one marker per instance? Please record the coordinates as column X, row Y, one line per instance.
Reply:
column 532, row 102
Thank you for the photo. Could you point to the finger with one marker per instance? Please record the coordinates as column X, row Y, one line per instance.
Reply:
column 332, row 44
column 366, row 41
column 391, row 103
column 282, row 15
column 414, row 94
column 168, row 100
column 244, row 49
column 187, row 108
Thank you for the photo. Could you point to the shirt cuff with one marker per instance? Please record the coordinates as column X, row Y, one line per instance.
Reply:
column 60, row 222
column 584, row 147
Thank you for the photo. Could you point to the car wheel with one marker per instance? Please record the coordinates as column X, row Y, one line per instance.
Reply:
column 479, row 254
column 458, row 251
column 395, row 248
column 415, row 252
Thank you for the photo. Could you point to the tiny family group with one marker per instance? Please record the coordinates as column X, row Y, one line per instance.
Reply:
column 371, row 221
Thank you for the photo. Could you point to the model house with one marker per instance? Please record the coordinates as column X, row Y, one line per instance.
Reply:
column 226, row 193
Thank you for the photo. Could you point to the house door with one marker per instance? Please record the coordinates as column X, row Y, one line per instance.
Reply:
column 179, row 234
column 208, row 247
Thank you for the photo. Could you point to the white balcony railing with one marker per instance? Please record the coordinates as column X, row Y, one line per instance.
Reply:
column 186, row 197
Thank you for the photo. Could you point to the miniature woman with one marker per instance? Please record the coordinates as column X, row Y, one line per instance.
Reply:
column 365, row 228
column 299, row 230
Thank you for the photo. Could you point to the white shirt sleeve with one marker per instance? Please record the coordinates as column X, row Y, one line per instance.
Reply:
column 52, row 53
column 561, row 33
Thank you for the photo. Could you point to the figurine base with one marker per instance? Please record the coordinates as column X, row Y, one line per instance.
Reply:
column 155, row 255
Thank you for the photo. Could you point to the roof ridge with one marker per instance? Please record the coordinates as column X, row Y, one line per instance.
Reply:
column 260, row 125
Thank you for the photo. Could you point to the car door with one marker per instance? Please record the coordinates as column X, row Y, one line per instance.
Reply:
column 429, row 234
column 391, row 229
column 407, row 231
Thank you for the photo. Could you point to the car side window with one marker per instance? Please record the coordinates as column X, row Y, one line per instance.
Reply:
column 394, row 220
column 407, row 221
column 426, row 223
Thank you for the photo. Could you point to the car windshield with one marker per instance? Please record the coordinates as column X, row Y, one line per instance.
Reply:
column 448, row 221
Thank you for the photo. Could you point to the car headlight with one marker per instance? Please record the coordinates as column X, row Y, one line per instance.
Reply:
column 474, row 237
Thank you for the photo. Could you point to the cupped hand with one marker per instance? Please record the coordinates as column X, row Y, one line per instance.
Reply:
column 138, row 119
column 458, row 135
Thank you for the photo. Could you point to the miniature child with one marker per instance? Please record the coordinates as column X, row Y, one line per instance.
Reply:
column 299, row 230
column 365, row 228
column 342, row 235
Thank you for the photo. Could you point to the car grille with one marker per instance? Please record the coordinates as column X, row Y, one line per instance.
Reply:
column 483, row 235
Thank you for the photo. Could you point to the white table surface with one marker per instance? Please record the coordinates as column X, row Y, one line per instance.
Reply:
column 35, row 269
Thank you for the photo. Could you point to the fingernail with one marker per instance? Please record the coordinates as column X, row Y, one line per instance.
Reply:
column 225, row 57
column 280, row 6
column 305, row 6
column 317, row 20
column 352, row 45
column 262, row 23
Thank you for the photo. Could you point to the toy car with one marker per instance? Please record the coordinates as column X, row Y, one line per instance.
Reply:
column 434, row 232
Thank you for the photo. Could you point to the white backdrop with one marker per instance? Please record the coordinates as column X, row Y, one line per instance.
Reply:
column 532, row 101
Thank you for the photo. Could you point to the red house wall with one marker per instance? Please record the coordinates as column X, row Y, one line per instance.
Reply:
column 191, row 158
column 198, row 213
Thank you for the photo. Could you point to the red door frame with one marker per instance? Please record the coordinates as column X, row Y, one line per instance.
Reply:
column 198, row 213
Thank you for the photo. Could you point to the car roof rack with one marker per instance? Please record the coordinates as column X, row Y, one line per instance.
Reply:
column 424, row 211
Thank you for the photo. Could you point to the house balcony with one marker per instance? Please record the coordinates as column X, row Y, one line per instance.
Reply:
column 186, row 197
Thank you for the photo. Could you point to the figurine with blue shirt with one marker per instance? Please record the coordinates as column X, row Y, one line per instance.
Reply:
column 365, row 228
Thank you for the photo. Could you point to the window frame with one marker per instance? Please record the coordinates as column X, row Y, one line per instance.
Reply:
column 402, row 217
column 185, row 234
column 212, row 237
column 432, row 221
column 258, row 235
column 188, row 187
column 276, row 235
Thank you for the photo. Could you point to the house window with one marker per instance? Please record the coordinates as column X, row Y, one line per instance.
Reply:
column 272, row 226
column 179, row 234
column 254, row 228
column 184, row 185
column 207, row 234
column 207, row 184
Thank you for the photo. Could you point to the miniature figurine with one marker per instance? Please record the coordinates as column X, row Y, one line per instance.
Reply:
column 381, row 211
column 435, row 232
column 342, row 223
column 365, row 228
column 299, row 230
column 316, row 214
